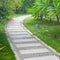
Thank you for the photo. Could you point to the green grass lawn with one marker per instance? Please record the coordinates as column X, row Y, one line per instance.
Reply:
column 6, row 52
column 48, row 32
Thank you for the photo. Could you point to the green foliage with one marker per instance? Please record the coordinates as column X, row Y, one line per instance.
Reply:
column 46, row 9
column 25, row 4
column 6, row 52
column 47, row 32
column 7, row 7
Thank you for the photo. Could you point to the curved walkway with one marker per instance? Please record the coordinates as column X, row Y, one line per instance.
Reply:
column 25, row 45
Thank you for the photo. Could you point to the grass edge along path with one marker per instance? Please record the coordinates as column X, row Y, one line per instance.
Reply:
column 6, row 52
column 46, row 32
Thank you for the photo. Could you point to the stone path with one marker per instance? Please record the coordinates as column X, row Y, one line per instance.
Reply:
column 25, row 45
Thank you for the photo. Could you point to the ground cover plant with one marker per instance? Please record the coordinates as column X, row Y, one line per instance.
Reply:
column 48, row 32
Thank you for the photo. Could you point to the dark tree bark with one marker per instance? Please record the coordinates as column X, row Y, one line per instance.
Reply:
column 57, row 18
column 41, row 17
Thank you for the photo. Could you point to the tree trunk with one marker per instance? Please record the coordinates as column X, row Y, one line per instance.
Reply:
column 41, row 17
column 57, row 18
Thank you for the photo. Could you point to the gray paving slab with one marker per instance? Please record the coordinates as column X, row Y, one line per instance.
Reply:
column 28, row 45
column 31, row 47
column 34, row 51
column 43, row 58
column 42, row 54
column 25, row 45
column 21, row 35
column 25, row 42
column 21, row 38
column 17, row 32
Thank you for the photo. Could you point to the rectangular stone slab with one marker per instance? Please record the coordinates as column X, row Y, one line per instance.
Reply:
column 27, row 45
column 34, row 51
column 43, row 58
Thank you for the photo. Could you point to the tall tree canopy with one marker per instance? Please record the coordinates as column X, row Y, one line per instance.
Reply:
column 7, row 7
column 46, row 8
column 26, row 4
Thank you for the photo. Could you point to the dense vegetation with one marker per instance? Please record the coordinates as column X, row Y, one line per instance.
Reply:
column 5, row 49
column 46, row 31
column 25, row 4
column 41, row 9
column 46, row 9
column 8, row 7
